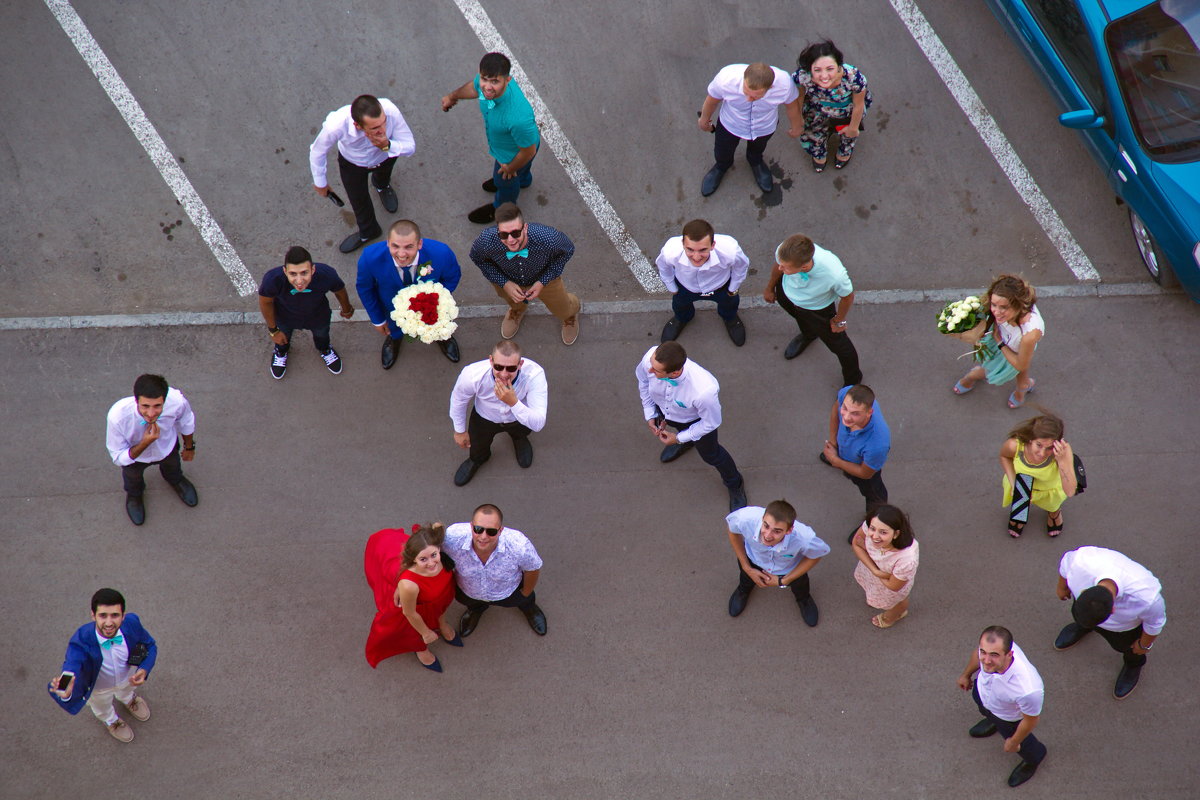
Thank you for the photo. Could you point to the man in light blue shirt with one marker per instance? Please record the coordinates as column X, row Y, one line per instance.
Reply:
column 811, row 285
column 774, row 551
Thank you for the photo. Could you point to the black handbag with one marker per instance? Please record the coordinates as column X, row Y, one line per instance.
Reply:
column 1080, row 475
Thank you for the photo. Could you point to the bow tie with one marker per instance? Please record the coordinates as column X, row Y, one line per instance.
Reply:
column 301, row 291
column 803, row 276
column 671, row 381
column 489, row 103
column 514, row 253
column 108, row 643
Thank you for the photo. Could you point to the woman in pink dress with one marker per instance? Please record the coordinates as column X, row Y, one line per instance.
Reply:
column 887, row 563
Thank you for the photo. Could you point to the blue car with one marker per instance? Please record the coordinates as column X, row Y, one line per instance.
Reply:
column 1127, row 74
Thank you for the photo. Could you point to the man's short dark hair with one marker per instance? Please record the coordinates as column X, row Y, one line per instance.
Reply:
column 489, row 508
column 998, row 632
column 108, row 597
column 697, row 230
column 507, row 347
column 671, row 356
column 1092, row 607
column 507, row 212
column 495, row 65
column 297, row 255
column 861, row 394
column 365, row 105
column 405, row 227
column 150, row 386
column 781, row 511
column 796, row 250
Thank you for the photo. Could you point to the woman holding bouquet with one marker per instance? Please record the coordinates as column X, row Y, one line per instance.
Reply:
column 1039, row 463
column 1014, row 328
column 887, row 563
column 412, row 592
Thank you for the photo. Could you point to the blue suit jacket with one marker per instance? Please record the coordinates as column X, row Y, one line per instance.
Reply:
column 379, row 280
column 84, row 659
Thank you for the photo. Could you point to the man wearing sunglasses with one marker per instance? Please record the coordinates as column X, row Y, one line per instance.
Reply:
column 509, row 395
column 524, row 261
column 493, row 566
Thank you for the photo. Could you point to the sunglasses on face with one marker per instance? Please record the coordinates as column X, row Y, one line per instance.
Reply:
column 488, row 531
column 505, row 367
column 510, row 234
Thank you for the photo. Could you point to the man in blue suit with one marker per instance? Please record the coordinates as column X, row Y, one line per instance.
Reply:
column 107, row 658
column 385, row 268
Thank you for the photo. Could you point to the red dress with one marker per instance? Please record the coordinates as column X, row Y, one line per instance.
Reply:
column 391, row 632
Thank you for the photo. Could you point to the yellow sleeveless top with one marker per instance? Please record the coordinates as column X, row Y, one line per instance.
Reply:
column 1048, row 492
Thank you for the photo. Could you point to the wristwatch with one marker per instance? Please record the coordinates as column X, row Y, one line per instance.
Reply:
column 193, row 447
column 781, row 585
column 272, row 331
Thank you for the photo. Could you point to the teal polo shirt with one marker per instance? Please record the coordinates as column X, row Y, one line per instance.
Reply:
column 824, row 284
column 508, row 122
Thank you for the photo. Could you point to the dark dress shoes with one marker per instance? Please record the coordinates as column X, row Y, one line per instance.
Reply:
column 466, row 471
column 736, row 331
column 186, row 492
column 982, row 729
column 738, row 600
column 489, row 185
column 712, row 180
column 1021, row 773
column 355, row 241
column 1126, row 680
column 135, row 509
column 470, row 618
column 808, row 612
column 450, row 349
column 674, row 451
column 672, row 329
column 1069, row 636
column 387, row 196
column 483, row 215
column 796, row 346
column 737, row 499
column 524, row 449
column 536, row 618
column 762, row 176
column 391, row 349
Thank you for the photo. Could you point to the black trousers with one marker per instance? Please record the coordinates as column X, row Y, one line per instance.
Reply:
column 815, row 325
column 482, row 431
column 872, row 489
column 713, row 454
column 354, row 178
column 725, row 145
column 799, row 587
column 514, row 600
column 168, row 466
column 1032, row 751
column 1122, row 642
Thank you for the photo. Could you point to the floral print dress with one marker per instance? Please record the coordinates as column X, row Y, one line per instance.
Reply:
column 825, row 109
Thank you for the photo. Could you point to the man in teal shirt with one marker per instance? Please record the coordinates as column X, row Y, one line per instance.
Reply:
column 512, row 131
column 811, row 285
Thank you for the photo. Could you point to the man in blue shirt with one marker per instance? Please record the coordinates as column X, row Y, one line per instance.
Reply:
column 858, row 443
column 511, row 128
column 774, row 551
column 294, row 296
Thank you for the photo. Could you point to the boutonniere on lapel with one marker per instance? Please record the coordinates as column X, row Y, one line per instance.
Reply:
column 424, row 271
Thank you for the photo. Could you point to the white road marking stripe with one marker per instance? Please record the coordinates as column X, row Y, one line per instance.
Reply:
column 155, row 147
column 996, row 142
column 565, row 152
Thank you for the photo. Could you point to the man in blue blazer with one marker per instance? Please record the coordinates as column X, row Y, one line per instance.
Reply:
column 107, row 658
column 385, row 268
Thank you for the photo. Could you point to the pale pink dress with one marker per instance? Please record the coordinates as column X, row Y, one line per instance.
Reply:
column 901, row 563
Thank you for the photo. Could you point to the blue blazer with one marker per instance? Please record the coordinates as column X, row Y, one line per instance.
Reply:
column 84, row 659
column 378, row 279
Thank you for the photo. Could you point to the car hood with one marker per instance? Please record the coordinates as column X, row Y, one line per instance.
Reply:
column 1180, row 185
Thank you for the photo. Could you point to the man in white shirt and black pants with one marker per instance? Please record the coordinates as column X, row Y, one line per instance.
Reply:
column 683, row 395
column 1009, row 692
column 703, row 265
column 145, row 429
column 509, row 395
column 493, row 566
column 1119, row 599
column 370, row 134
column 774, row 550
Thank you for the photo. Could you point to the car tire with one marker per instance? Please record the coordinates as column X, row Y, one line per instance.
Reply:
column 1152, row 255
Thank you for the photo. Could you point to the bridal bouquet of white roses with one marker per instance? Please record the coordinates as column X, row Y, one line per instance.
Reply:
column 425, row 311
column 963, row 319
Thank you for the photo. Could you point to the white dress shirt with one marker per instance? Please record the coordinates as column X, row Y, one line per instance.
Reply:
column 353, row 143
column 126, row 426
column 1016, row 691
column 726, row 263
column 114, row 666
column 502, row 574
column 750, row 119
column 476, row 382
column 799, row 543
column 1139, row 599
column 693, row 396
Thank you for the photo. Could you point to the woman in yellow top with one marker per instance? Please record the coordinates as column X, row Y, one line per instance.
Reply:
column 1040, row 464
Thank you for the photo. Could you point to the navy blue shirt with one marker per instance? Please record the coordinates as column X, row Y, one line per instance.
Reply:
column 304, row 309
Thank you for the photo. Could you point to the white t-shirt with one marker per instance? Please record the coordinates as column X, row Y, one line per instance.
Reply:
column 1011, row 335
column 1014, row 692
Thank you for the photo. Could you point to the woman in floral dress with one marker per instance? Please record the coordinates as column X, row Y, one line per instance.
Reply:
column 887, row 563
column 836, row 99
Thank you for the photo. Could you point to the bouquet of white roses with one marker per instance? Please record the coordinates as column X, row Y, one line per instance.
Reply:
column 425, row 311
column 963, row 319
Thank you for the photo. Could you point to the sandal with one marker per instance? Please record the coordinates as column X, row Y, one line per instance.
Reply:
column 1054, row 530
column 839, row 163
column 878, row 622
column 1012, row 398
column 818, row 166
column 1015, row 529
column 960, row 389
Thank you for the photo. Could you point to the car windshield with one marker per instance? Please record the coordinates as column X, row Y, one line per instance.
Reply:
column 1156, row 52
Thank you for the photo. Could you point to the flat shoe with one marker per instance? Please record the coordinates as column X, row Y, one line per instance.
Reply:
column 489, row 185
column 387, row 196
column 878, row 622
column 483, row 215
column 136, row 509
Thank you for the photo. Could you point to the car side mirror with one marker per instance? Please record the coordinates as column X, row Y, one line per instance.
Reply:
column 1081, row 120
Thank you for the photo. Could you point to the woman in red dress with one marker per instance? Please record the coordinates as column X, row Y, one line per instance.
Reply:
column 412, row 592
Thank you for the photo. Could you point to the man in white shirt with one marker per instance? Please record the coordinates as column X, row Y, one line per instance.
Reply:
column 370, row 134
column 774, row 550
column 1009, row 693
column 683, row 395
column 749, row 96
column 509, row 395
column 145, row 429
column 1119, row 599
column 703, row 265
column 493, row 566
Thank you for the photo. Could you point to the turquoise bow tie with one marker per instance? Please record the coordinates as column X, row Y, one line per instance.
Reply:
column 301, row 291
column 514, row 253
column 108, row 643
column 489, row 103
column 803, row 276
column 671, row 381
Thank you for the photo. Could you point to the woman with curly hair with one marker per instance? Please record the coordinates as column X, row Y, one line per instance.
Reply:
column 1014, row 328
column 1039, row 469
column 887, row 562
column 836, row 99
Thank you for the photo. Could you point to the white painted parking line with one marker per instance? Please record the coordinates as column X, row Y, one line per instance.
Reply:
column 996, row 141
column 155, row 147
column 566, row 153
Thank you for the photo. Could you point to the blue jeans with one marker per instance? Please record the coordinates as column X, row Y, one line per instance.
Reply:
column 683, row 303
column 509, row 189
column 320, row 336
